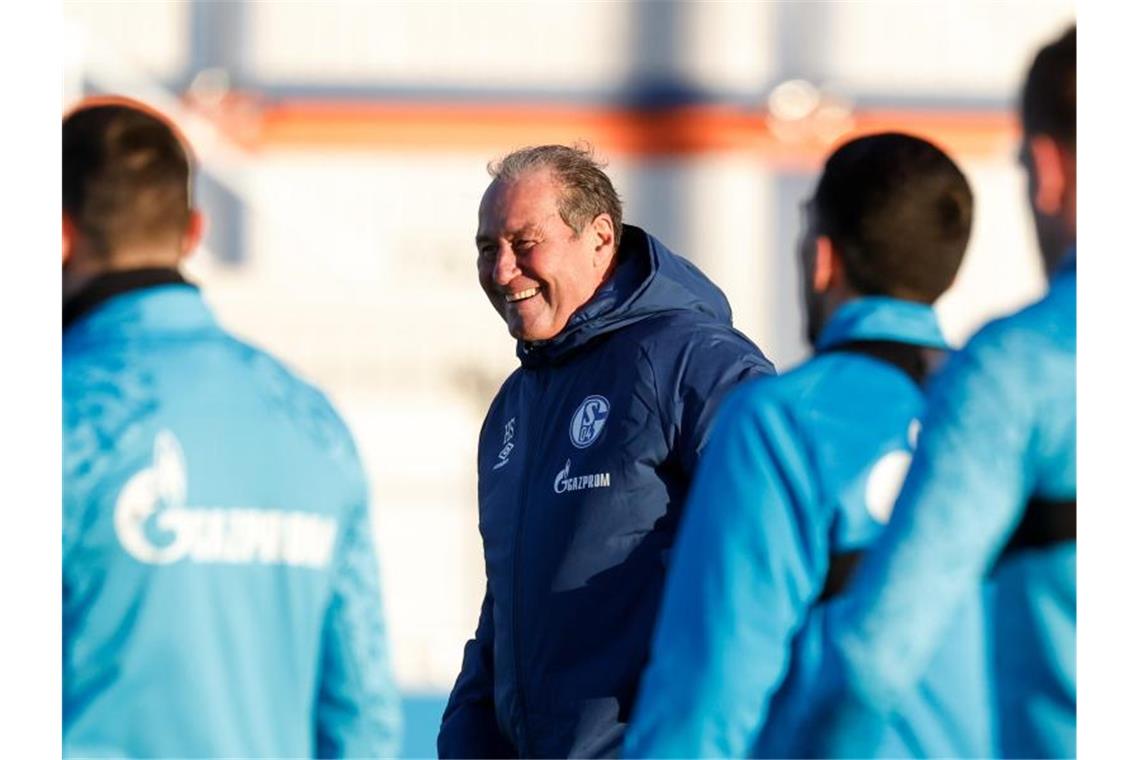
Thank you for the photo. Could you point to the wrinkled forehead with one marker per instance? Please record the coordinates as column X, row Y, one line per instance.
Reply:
column 525, row 202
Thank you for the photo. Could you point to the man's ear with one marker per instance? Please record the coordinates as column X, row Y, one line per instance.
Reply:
column 602, row 230
column 195, row 229
column 1049, row 171
column 68, row 237
column 828, row 269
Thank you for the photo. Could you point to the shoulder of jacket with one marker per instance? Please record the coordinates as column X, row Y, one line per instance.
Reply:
column 1018, row 341
column 104, row 416
column 308, row 406
column 685, row 330
column 505, row 389
column 106, row 390
column 508, row 386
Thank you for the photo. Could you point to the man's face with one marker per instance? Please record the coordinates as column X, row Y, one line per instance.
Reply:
column 533, row 268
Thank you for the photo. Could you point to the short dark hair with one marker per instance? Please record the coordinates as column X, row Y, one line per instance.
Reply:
column 898, row 211
column 1049, row 101
column 126, row 175
column 586, row 190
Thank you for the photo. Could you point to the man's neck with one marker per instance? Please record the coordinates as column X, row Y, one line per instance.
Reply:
column 84, row 266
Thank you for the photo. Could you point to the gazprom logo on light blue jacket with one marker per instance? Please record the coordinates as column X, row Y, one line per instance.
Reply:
column 587, row 423
column 156, row 495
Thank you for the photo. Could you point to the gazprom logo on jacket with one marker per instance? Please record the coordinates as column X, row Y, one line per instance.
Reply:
column 154, row 525
column 587, row 423
column 564, row 481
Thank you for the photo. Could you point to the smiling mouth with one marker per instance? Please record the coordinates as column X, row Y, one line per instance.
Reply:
column 521, row 295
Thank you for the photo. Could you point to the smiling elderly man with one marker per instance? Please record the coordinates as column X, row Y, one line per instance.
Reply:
column 585, row 456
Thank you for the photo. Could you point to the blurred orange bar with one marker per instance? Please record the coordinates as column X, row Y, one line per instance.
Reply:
column 616, row 131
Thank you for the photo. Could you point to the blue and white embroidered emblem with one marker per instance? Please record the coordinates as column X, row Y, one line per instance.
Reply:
column 587, row 423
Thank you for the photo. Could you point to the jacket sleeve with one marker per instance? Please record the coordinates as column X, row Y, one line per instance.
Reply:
column 358, row 707
column 962, row 498
column 746, row 567
column 470, row 727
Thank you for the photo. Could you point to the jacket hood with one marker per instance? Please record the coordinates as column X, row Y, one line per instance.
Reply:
column 649, row 280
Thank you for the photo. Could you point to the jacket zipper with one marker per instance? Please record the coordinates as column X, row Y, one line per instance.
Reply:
column 524, row 750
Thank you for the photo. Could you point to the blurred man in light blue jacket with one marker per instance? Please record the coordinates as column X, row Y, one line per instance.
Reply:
column 220, row 589
column 801, row 473
column 992, row 492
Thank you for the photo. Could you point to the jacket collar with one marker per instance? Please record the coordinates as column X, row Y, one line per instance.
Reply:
column 111, row 284
column 883, row 318
column 138, row 299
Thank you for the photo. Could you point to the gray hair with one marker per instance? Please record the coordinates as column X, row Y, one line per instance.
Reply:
column 586, row 190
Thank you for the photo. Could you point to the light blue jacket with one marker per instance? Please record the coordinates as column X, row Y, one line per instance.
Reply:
column 800, row 468
column 220, row 590
column 1001, row 433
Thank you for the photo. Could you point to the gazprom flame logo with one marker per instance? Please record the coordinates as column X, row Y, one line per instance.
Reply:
column 587, row 423
column 159, row 492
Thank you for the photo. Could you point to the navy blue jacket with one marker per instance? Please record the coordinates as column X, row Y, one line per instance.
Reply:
column 585, row 460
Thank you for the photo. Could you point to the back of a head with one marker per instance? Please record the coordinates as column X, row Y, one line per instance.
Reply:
column 1049, row 100
column 586, row 189
column 126, row 177
column 898, row 211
